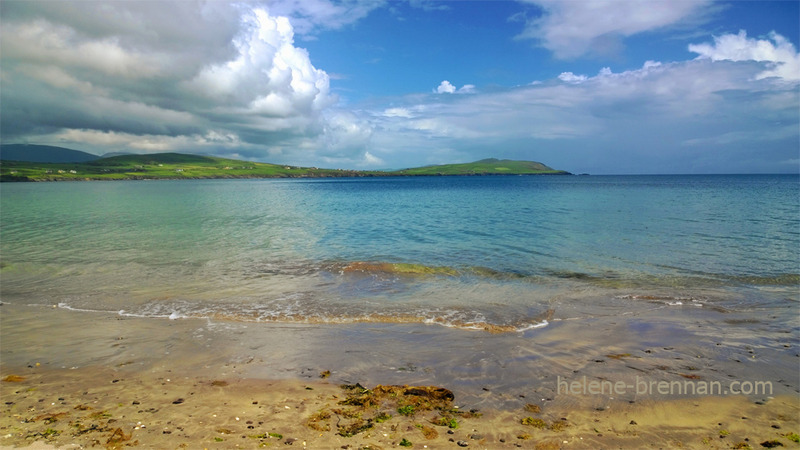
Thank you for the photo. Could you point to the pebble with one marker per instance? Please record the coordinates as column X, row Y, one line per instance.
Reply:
column 462, row 443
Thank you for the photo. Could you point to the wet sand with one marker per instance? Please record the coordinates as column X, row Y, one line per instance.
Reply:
column 86, row 379
column 106, row 408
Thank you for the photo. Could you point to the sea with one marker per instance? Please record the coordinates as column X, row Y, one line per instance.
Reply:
column 483, row 282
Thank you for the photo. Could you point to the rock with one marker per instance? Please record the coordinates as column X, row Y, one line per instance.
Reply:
column 462, row 443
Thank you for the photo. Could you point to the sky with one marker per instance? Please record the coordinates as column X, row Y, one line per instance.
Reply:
column 587, row 86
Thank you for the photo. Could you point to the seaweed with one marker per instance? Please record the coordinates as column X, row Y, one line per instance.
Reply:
column 362, row 408
column 536, row 423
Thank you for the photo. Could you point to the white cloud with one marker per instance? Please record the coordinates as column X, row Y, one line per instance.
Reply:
column 783, row 61
column 269, row 76
column 398, row 112
column 121, row 69
column 445, row 87
column 688, row 116
column 372, row 160
column 569, row 77
column 43, row 42
column 572, row 28
column 99, row 142
column 309, row 16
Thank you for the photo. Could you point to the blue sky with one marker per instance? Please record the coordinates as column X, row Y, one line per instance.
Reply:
column 601, row 86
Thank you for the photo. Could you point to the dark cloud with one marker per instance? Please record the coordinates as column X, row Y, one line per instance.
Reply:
column 176, row 72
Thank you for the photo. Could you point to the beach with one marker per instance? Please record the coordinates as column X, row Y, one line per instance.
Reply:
column 115, row 382
column 96, row 407
column 610, row 312
column 374, row 224
column 90, row 407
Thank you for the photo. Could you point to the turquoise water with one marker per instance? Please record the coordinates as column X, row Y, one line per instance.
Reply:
column 508, row 252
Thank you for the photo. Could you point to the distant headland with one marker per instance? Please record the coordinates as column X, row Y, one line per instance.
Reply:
column 19, row 162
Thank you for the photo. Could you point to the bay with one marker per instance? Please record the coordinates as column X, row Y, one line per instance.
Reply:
column 495, row 284
column 443, row 249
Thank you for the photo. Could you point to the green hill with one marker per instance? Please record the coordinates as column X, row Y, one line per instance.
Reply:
column 489, row 166
column 160, row 166
column 186, row 166
column 43, row 153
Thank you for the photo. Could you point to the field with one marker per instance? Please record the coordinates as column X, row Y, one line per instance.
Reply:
column 180, row 166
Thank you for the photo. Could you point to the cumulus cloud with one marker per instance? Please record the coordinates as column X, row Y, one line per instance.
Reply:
column 230, row 77
column 780, row 56
column 574, row 28
column 269, row 77
column 445, row 87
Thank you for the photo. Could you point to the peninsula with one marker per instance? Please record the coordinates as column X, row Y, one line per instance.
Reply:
column 188, row 166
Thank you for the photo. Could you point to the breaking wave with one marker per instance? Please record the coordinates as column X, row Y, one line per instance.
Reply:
column 293, row 313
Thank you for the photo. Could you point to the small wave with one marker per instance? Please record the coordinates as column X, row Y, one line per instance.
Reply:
column 665, row 299
column 71, row 308
column 292, row 315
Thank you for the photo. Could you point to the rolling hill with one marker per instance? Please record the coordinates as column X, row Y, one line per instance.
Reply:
column 187, row 166
column 489, row 166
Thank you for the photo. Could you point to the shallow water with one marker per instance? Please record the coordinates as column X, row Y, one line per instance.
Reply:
column 396, row 279
column 461, row 251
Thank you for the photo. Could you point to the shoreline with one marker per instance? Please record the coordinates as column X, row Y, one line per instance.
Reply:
column 94, row 379
column 25, row 179
column 77, row 408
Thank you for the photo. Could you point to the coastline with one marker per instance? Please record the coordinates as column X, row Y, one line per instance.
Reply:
column 175, row 166
column 123, row 382
column 23, row 179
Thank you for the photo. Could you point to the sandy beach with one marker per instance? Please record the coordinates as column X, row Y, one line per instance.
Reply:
column 77, row 380
column 102, row 407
